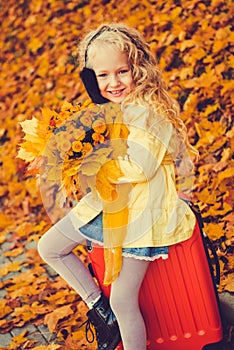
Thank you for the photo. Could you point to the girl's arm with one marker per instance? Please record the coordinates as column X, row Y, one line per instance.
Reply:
column 147, row 142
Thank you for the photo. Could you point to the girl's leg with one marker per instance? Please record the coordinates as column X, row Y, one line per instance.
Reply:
column 56, row 249
column 124, row 303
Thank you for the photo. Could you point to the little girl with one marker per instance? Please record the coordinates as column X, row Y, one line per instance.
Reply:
column 118, row 67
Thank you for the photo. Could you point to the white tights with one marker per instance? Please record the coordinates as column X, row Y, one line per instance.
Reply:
column 56, row 249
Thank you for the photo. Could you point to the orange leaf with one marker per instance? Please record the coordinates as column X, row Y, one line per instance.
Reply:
column 5, row 221
column 52, row 319
column 11, row 267
column 51, row 346
column 18, row 340
column 219, row 45
column 4, row 308
column 227, row 173
column 15, row 252
column 230, row 286
column 213, row 231
column 35, row 44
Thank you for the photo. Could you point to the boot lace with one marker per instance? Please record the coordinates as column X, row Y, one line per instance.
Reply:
column 88, row 330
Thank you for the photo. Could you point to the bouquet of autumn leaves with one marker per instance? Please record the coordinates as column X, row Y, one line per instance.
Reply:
column 69, row 147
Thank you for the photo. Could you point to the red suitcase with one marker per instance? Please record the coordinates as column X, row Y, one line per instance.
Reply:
column 178, row 297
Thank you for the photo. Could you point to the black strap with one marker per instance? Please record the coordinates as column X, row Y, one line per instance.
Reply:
column 212, row 258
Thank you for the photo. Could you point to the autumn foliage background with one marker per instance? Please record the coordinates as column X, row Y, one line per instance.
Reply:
column 38, row 50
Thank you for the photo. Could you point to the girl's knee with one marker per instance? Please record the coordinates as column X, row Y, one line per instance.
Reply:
column 45, row 246
column 121, row 303
column 42, row 248
column 55, row 245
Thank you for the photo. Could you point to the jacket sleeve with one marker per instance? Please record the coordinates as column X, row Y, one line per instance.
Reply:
column 147, row 143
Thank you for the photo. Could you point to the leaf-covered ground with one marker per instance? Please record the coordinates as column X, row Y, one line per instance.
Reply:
column 193, row 41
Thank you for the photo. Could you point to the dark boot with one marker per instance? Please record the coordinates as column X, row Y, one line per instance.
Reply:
column 104, row 321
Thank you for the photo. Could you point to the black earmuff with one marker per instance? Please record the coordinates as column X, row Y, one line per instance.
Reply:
column 89, row 80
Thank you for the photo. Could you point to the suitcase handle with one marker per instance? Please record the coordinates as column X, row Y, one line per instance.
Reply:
column 207, row 244
column 210, row 246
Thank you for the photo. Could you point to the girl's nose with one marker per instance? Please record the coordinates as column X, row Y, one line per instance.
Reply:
column 114, row 80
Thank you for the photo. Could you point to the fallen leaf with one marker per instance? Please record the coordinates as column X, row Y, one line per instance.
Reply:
column 52, row 319
column 11, row 267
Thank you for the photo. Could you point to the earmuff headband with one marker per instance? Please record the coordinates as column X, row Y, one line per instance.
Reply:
column 108, row 29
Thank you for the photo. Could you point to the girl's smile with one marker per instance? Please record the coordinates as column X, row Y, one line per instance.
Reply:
column 113, row 73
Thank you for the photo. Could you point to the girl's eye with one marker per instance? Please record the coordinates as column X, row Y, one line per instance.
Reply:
column 102, row 75
column 123, row 71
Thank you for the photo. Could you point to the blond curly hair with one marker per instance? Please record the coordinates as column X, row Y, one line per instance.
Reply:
column 150, row 89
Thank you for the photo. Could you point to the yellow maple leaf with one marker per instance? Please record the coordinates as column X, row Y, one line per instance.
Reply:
column 30, row 126
column 227, row 283
column 219, row 45
column 35, row 44
column 207, row 78
column 229, row 172
column 66, row 106
column 226, row 154
column 191, row 102
column 11, row 267
column 5, row 221
column 25, row 155
column 186, row 73
column 4, row 308
column 52, row 319
column 226, row 86
column 213, row 231
column 229, row 287
column 18, row 340
column 211, row 108
column 51, row 346
column 14, row 252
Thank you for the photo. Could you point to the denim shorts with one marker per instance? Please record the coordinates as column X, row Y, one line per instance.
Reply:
column 93, row 231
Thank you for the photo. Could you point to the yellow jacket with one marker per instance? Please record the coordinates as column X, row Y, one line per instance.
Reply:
column 156, row 216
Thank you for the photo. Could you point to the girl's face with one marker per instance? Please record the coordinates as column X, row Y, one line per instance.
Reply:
column 113, row 73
